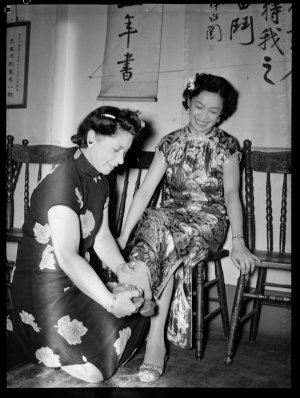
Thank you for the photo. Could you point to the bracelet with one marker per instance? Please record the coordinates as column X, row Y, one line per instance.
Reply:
column 110, row 309
column 118, row 268
column 238, row 237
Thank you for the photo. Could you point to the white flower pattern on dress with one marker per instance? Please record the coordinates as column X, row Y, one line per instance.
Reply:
column 87, row 223
column 29, row 319
column 48, row 260
column 41, row 232
column 79, row 197
column 46, row 356
column 120, row 343
column 71, row 330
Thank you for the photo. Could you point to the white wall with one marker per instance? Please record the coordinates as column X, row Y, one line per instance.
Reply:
column 66, row 47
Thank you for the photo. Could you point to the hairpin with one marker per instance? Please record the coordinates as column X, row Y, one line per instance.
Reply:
column 108, row 115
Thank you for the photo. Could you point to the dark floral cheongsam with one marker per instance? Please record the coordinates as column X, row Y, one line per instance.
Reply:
column 190, row 223
column 54, row 322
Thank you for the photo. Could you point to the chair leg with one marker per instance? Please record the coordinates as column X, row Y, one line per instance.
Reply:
column 222, row 296
column 199, row 311
column 257, row 304
column 235, row 317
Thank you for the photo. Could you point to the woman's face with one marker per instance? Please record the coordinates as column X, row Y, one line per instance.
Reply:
column 107, row 152
column 204, row 111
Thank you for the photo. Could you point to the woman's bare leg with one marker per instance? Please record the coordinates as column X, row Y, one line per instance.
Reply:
column 156, row 347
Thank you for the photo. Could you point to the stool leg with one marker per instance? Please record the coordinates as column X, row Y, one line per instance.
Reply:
column 235, row 317
column 257, row 304
column 222, row 296
column 199, row 310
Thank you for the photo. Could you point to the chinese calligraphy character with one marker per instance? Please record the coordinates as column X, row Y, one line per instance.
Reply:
column 214, row 17
column 247, row 22
column 210, row 33
column 126, row 70
column 269, row 34
column 129, row 29
column 275, row 10
column 268, row 69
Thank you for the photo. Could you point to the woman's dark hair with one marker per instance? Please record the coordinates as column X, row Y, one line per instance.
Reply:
column 213, row 84
column 106, row 120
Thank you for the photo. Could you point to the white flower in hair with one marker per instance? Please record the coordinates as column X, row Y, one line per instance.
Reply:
column 191, row 83
column 139, row 115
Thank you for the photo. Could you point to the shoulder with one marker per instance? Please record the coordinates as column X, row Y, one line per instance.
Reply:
column 226, row 140
column 63, row 177
column 172, row 137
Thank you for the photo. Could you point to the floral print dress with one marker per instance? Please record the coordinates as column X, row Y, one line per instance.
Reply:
column 190, row 223
column 54, row 322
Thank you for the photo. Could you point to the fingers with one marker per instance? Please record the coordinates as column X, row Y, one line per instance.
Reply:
column 256, row 259
column 246, row 264
column 136, row 292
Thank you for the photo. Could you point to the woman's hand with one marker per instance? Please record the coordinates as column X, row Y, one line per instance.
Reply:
column 136, row 273
column 123, row 305
column 242, row 258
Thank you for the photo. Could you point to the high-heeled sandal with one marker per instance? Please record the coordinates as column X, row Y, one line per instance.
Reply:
column 150, row 373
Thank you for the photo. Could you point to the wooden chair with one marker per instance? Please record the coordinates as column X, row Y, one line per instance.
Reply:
column 139, row 161
column 124, row 181
column 268, row 162
column 17, row 155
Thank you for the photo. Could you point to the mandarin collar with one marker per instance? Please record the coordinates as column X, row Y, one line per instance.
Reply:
column 86, row 168
column 204, row 138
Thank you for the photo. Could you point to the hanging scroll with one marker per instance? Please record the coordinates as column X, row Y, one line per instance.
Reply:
column 132, row 53
column 17, row 58
column 251, row 46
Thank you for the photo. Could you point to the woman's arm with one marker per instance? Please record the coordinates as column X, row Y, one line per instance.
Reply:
column 106, row 247
column 142, row 197
column 242, row 258
column 65, row 234
column 108, row 251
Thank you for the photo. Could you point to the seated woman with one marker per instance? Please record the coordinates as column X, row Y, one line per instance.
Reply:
column 201, row 162
column 64, row 316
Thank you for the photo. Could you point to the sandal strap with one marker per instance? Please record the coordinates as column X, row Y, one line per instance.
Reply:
column 151, row 368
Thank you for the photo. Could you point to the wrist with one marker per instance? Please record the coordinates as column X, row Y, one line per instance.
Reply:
column 118, row 267
column 112, row 303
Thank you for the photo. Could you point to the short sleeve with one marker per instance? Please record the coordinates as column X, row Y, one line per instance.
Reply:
column 232, row 149
column 57, row 188
column 162, row 149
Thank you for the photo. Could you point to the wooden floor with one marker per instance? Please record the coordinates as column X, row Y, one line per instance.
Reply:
column 263, row 364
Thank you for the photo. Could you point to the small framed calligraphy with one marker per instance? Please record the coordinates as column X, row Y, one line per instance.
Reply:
column 17, row 59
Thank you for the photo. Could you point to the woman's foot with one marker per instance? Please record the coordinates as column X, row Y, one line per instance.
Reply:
column 154, row 363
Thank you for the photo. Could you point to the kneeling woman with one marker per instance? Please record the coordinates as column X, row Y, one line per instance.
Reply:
column 64, row 315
